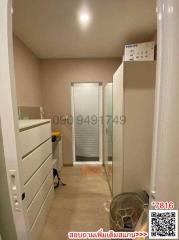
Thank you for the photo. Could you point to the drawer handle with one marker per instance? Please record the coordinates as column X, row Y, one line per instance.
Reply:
column 23, row 196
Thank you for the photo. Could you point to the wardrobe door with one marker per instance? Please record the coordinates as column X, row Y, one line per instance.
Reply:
column 118, row 130
column 139, row 88
column 12, row 214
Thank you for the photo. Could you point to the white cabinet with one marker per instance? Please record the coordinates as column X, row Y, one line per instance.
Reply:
column 133, row 106
column 36, row 152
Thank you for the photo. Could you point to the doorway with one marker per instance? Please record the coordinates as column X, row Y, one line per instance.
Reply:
column 87, row 122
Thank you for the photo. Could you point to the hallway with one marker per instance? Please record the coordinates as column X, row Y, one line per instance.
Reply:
column 79, row 206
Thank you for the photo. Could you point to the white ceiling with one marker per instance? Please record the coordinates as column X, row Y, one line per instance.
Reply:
column 50, row 28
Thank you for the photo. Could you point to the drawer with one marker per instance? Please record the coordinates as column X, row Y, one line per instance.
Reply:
column 33, row 185
column 34, row 160
column 33, row 137
column 40, row 220
column 39, row 199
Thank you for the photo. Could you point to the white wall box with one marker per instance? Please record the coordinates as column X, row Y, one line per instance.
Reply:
column 139, row 52
column 36, row 151
column 133, row 101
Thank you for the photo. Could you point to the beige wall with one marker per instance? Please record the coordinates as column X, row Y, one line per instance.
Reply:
column 47, row 83
column 57, row 76
column 27, row 75
column 154, row 38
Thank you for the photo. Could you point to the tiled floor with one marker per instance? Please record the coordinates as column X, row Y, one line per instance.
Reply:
column 79, row 206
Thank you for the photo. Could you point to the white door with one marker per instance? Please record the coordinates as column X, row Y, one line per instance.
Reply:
column 117, row 131
column 6, row 216
column 86, row 104
column 12, row 220
column 165, row 167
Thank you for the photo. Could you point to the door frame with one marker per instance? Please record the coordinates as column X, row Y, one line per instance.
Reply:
column 100, row 162
column 9, row 123
column 105, row 135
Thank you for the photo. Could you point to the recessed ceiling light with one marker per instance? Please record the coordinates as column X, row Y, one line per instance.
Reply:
column 84, row 17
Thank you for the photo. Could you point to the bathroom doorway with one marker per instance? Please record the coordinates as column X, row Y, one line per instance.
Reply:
column 87, row 122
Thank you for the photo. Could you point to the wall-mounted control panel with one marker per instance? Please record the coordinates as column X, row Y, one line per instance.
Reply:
column 139, row 52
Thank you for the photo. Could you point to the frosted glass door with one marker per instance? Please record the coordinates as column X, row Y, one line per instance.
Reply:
column 86, row 117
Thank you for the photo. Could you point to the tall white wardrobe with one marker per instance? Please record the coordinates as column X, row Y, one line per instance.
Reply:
column 133, row 107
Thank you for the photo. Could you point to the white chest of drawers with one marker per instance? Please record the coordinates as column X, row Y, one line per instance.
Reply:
column 36, row 152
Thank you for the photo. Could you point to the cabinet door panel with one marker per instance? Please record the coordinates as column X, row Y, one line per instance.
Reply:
column 118, row 131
